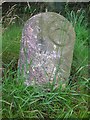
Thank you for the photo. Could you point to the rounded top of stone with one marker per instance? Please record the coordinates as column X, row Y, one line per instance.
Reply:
column 53, row 25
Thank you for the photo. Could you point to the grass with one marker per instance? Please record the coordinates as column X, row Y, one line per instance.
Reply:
column 20, row 101
column 43, row 102
column 11, row 43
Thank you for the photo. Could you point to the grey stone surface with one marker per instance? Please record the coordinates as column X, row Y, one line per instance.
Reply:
column 46, row 49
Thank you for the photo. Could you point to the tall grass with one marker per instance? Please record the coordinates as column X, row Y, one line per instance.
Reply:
column 80, row 57
column 43, row 101
column 11, row 43
column 46, row 101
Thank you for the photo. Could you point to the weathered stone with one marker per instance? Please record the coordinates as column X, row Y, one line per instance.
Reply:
column 46, row 49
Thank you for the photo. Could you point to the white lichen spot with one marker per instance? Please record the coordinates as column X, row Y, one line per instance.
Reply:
column 39, row 54
column 35, row 37
column 32, row 83
column 54, row 69
column 27, row 72
column 26, row 83
column 33, row 69
column 54, row 46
